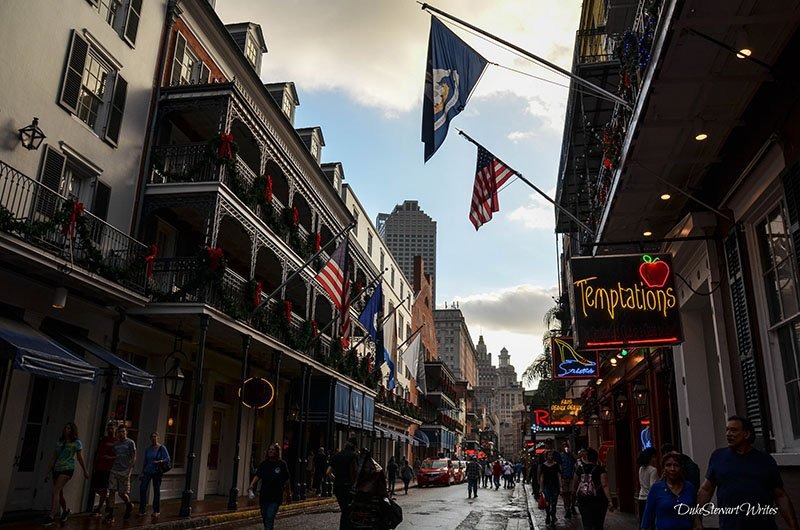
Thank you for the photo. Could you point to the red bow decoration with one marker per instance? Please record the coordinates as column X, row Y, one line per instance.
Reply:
column 69, row 226
column 150, row 260
column 345, row 342
column 607, row 163
column 295, row 216
column 317, row 242
column 225, row 143
column 314, row 329
column 257, row 294
column 268, row 189
column 287, row 307
column 214, row 257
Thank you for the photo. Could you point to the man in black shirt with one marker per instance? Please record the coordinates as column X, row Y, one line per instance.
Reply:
column 343, row 471
column 274, row 476
column 320, row 465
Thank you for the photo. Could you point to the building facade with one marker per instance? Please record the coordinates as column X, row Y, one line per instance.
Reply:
column 455, row 344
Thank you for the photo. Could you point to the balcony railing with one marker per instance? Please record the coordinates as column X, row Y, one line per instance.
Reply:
column 40, row 216
column 594, row 46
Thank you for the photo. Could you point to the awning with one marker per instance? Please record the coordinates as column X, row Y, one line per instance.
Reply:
column 128, row 375
column 422, row 438
column 386, row 432
column 37, row 354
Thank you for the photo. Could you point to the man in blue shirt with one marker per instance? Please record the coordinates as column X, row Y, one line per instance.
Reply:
column 748, row 484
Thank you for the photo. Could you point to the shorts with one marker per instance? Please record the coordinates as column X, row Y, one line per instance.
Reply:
column 100, row 480
column 566, row 485
column 67, row 472
column 120, row 482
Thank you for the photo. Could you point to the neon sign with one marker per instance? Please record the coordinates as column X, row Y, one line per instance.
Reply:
column 627, row 300
column 568, row 363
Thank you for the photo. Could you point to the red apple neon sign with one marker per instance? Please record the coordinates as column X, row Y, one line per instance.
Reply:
column 654, row 272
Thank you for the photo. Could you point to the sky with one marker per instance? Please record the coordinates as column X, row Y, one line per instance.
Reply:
column 359, row 68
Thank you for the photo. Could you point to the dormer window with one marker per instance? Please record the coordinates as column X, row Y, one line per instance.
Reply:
column 315, row 148
column 251, row 52
column 288, row 107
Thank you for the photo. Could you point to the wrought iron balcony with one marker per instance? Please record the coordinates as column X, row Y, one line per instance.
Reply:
column 58, row 225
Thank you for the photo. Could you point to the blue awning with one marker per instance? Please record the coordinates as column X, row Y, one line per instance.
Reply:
column 128, row 375
column 39, row 355
column 422, row 438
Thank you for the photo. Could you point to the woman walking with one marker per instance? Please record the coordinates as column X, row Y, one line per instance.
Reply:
column 391, row 474
column 674, row 490
column 274, row 476
column 406, row 473
column 155, row 456
column 648, row 475
column 550, row 485
column 591, row 487
column 62, row 467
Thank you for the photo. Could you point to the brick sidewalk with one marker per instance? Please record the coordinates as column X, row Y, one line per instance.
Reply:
column 614, row 520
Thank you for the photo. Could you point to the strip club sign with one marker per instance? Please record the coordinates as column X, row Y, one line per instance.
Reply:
column 624, row 301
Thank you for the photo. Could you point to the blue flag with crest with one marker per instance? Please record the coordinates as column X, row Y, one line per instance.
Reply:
column 452, row 72
column 370, row 312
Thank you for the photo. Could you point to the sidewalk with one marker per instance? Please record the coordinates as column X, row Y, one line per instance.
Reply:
column 614, row 520
column 211, row 511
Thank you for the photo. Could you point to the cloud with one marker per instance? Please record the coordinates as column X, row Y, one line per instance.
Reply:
column 538, row 214
column 517, row 136
column 518, row 309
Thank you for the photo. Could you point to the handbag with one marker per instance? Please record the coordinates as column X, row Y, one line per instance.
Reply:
column 542, row 502
column 165, row 465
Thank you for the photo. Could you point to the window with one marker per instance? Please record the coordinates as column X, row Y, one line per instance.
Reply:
column 251, row 52
column 382, row 261
column 93, row 90
column 392, row 278
column 175, row 432
column 73, row 179
column 369, row 244
column 126, row 405
column 355, row 212
column 187, row 68
column 122, row 15
column 779, row 274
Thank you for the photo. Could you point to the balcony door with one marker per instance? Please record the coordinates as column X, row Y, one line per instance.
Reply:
column 214, row 484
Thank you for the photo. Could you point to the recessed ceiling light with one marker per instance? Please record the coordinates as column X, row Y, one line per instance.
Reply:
column 744, row 52
column 647, row 233
column 665, row 196
column 700, row 136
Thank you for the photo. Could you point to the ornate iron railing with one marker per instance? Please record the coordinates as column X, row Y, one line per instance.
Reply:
column 57, row 224
column 183, row 163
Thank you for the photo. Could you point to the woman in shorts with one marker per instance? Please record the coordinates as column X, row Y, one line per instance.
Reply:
column 62, row 467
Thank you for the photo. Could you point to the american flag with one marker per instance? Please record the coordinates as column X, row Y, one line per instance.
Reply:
column 345, row 328
column 490, row 174
column 333, row 276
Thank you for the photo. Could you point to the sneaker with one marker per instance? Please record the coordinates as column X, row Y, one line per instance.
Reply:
column 128, row 510
column 109, row 518
column 65, row 515
column 48, row 521
column 155, row 515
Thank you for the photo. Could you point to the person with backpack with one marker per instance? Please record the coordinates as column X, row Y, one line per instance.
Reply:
column 591, row 490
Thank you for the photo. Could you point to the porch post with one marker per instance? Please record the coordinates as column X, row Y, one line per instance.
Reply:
column 234, row 493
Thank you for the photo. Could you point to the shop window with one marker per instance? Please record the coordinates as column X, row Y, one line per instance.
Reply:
column 176, row 431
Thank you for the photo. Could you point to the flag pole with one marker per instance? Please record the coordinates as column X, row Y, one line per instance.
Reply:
column 531, row 56
column 411, row 336
column 529, row 183
column 303, row 266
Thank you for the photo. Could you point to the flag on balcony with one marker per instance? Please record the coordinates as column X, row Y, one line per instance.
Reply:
column 345, row 327
column 370, row 313
column 490, row 174
column 412, row 354
column 388, row 344
column 451, row 74
column 333, row 275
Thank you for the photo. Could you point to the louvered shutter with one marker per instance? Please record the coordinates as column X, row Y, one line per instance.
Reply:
column 132, row 21
column 791, row 189
column 204, row 73
column 47, row 200
column 177, row 60
column 73, row 72
column 102, row 198
column 117, row 109
column 744, row 335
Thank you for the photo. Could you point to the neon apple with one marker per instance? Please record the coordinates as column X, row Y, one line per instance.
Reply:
column 654, row 272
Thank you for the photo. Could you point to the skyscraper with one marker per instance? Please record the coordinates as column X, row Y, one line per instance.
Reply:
column 408, row 231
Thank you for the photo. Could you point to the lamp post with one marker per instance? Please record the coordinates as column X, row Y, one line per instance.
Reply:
column 641, row 398
column 186, row 499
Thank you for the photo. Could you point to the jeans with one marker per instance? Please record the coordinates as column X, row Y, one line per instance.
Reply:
column 268, row 512
column 345, row 499
column 145, row 483
column 472, row 487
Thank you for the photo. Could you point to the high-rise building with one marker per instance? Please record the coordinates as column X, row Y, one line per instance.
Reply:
column 408, row 231
column 456, row 348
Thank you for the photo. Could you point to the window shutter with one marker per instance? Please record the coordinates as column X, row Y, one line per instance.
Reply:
column 73, row 73
column 744, row 336
column 204, row 73
column 180, row 49
column 132, row 21
column 791, row 190
column 50, row 177
column 102, row 197
column 117, row 109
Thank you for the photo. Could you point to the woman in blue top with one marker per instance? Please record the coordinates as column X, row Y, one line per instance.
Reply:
column 62, row 467
column 154, row 456
column 670, row 499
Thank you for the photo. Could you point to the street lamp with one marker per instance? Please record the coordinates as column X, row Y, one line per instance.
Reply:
column 621, row 404
column 174, row 378
column 31, row 136
column 605, row 412
column 640, row 395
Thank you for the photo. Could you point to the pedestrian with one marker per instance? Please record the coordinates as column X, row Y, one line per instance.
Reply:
column 273, row 473
column 309, row 470
column 155, row 457
column 517, row 471
column 743, row 475
column 648, row 475
column 508, row 475
column 567, row 472
column 391, row 474
column 417, row 466
column 103, row 460
column 534, row 475
column 320, row 465
column 62, row 466
column 119, row 480
column 550, row 485
column 497, row 471
column 487, row 474
column 473, row 472
column 590, row 484
column 343, row 470
column 665, row 495
column 406, row 473
column 690, row 470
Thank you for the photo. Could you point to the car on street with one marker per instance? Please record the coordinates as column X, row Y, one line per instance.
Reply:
column 436, row 471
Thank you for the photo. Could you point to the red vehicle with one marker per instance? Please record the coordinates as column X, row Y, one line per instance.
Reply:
column 436, row 471
column 459, row 471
